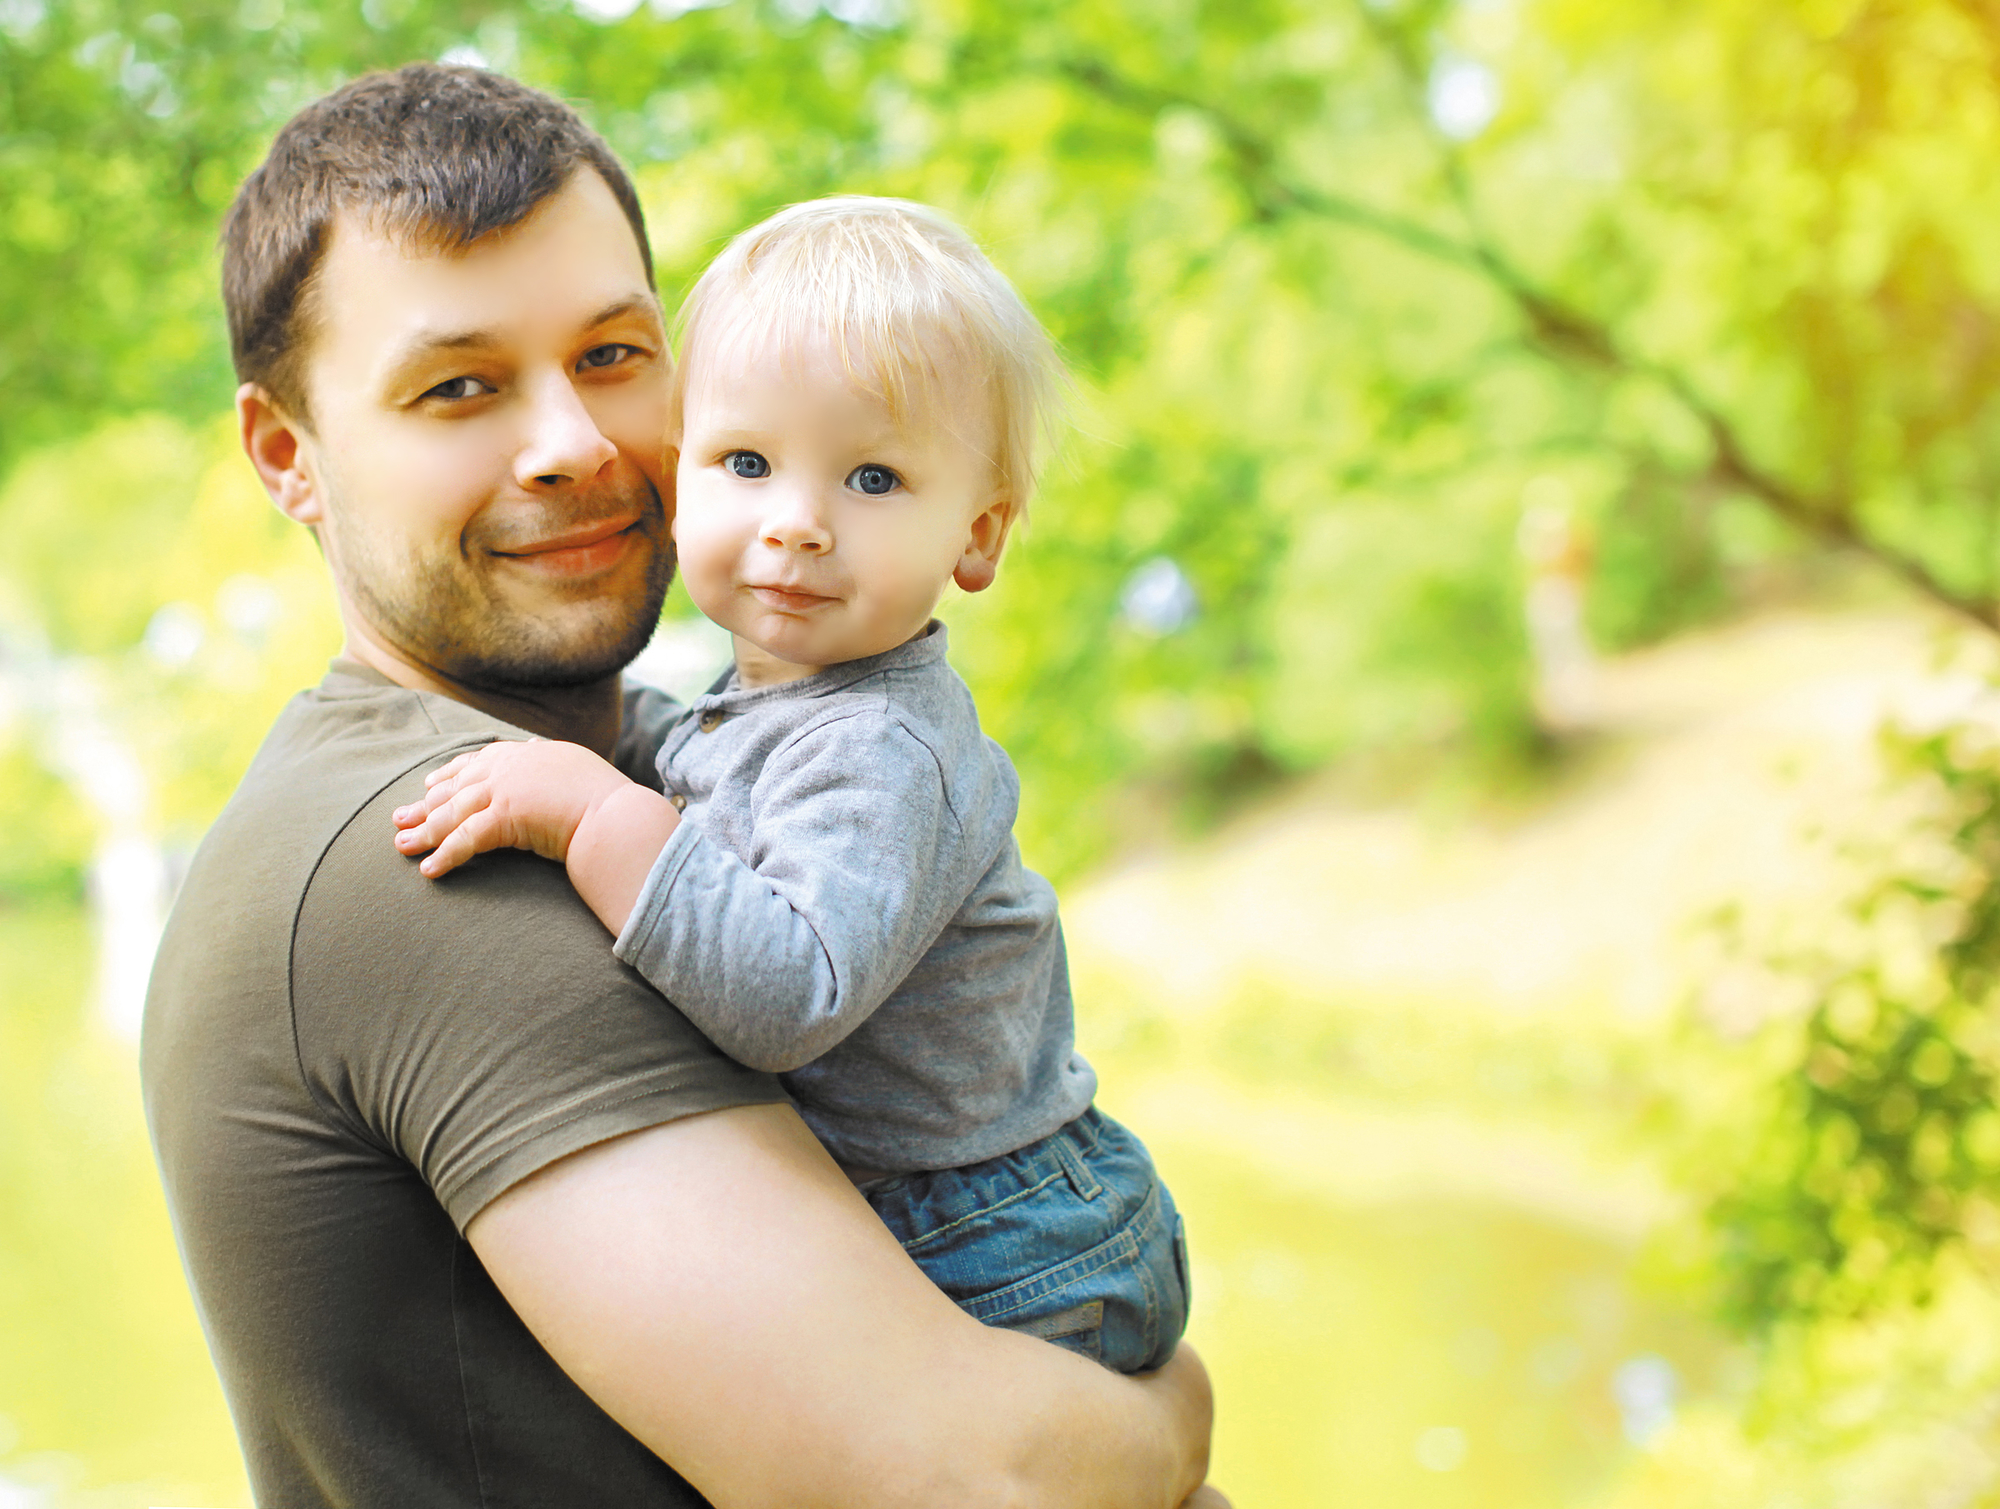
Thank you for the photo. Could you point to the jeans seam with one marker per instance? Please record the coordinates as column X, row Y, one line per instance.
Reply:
column 1125, row 1245
column 1122, row 1247
column 985, row 1210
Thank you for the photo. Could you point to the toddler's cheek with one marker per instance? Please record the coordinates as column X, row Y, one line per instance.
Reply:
column 708, row 582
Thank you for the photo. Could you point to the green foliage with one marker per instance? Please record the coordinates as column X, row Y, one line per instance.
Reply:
column 48, row 834
column 1658, row 565
column 1703, row 253
column 132, row 482
column 1874, row 1162
column 1793, row 232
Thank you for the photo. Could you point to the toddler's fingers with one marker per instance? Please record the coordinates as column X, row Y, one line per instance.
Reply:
column 436, row 797
column 451, row 767
column 443, row 819
column 472, row 836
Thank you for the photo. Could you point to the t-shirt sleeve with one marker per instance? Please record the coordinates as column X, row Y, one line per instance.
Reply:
column 478, row 1026
column 856, row 864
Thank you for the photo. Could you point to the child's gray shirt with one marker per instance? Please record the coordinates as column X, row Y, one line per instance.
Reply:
column 844, row 902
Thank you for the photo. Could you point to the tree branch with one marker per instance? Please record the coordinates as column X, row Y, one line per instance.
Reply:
column 1560, row 333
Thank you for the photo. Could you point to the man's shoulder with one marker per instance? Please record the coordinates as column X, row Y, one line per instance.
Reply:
column 332, row 752
column 476, row 1027
column 346, row 738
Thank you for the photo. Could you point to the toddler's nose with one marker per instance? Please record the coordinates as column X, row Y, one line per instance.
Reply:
column 794, row 539
column 797, row 526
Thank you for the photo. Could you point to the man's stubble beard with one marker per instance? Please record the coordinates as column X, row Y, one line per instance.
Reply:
column 446, row 614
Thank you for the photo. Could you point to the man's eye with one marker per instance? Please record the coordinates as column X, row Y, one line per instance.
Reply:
column 747, row 464
column 873, row 480
column 607, row 355
column 460, row 388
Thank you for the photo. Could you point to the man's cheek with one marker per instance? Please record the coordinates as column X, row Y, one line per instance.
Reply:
column 634, row 418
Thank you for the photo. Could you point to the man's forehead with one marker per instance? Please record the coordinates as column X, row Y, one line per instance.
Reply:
column 569, row 259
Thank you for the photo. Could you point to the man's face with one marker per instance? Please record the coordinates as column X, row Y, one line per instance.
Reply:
column 486, row 445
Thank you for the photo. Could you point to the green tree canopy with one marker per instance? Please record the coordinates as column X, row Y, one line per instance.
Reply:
column 1341, row 281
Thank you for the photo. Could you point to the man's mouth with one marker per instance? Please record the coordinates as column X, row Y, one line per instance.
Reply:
column 581, row 551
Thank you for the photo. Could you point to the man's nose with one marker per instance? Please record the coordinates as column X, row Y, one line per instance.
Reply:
column 563, row 445
column 794, row 521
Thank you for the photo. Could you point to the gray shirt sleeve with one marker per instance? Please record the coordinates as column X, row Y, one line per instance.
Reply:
column 856, row 864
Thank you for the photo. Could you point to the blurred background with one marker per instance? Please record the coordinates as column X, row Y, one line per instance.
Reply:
column 1501, row 676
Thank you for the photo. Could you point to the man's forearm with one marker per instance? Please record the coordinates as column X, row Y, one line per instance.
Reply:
column 717, row 1285
column 1101, row 1439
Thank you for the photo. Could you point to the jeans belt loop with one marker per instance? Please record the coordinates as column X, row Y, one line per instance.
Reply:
column 1080, row 1177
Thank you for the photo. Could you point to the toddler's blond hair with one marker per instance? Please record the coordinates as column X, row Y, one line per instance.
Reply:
column 899, row 292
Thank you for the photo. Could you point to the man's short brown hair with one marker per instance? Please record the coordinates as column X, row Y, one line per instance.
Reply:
column 438, row 155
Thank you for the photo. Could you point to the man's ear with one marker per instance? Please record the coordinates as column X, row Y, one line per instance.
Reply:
column 277, row 445
column 980, row 561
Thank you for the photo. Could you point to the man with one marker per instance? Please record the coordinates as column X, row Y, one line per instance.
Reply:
column 494, row 1225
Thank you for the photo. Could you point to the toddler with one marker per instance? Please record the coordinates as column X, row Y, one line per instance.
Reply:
column 829, row 887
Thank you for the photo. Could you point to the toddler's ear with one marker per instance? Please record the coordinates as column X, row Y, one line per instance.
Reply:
column 973, row 574
column 979, row 562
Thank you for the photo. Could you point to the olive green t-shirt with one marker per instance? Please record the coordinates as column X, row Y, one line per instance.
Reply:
column 343, row 1063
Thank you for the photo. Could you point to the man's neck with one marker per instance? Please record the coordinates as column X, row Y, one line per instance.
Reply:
column 589, row 715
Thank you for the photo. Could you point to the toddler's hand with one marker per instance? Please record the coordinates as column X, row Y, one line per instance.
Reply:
column 512, row 794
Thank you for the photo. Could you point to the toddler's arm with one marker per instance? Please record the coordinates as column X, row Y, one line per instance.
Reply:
column 778, row 947
column 558, row 800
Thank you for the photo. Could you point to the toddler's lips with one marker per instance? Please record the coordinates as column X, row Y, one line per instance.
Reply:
column 790, row 599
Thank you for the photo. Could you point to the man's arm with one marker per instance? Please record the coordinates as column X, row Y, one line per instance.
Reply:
column 719, row 1288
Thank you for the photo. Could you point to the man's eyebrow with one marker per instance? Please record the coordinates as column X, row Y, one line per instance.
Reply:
column 422, row 345
column 637, row 303
column 428, row 344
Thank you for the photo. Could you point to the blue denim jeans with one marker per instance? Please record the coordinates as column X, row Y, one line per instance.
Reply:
column 1073, row 1239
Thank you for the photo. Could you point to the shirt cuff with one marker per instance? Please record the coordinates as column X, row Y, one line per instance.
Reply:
column 650, row 908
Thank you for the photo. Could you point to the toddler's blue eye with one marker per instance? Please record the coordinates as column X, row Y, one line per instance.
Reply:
column 873, row 480
column 747, row 464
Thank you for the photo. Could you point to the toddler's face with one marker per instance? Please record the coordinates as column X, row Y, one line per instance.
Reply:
column 812, row 526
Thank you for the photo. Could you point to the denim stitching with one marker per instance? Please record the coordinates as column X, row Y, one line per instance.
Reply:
column 1124, row 1245
column 1118, row 1249
column 986, row 1210
column 1081, row 1179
